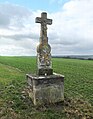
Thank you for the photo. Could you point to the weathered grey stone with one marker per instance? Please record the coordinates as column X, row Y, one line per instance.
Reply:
column 46, row 89
column 44, row 63
column 45, row 71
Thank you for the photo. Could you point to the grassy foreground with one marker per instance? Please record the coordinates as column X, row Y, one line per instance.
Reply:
column 15, row 103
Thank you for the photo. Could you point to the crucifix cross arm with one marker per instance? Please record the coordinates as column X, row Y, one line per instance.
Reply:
column 43, row 19
column 44, row 22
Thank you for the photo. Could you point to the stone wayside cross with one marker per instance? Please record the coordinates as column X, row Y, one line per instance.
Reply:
column 45, row 87
column 44, row 64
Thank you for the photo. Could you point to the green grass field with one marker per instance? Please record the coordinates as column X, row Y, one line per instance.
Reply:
column 15, row 103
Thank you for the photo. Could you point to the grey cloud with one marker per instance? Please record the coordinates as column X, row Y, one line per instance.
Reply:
column 12, row 13
column 14, row 10
column 4, row 20
column 21, row 36
column 63, row 39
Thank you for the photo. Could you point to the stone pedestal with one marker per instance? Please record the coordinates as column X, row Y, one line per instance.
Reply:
column 45, row 89
column 44, row 71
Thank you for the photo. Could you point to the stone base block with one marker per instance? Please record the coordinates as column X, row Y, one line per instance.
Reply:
column 45, row 89
column 44, row 71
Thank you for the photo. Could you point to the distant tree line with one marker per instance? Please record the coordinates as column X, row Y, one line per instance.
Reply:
column 73, row 57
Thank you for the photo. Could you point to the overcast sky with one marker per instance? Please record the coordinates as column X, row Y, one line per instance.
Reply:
column 71, row 31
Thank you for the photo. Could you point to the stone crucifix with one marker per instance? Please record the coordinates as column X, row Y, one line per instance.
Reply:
column 44, row 63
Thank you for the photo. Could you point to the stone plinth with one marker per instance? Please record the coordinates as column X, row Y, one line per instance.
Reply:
column 44, row 71
column 45, row 89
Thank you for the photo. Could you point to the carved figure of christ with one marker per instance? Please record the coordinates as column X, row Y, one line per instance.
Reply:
column 44, row 22
column 44, row 63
